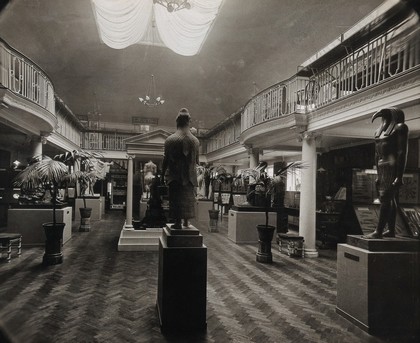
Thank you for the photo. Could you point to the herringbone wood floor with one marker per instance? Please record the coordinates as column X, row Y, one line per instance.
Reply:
column 101, row 295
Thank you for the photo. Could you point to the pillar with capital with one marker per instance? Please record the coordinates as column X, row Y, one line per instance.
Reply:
column 36, row 144
column 129, row 202
column 254, row 157
column 307, row 216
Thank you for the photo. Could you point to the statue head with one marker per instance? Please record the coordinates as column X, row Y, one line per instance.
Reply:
column 183, row 119
column 390, row 118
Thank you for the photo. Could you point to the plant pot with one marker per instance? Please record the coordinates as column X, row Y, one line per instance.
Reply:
column 214, row 218
column 53, row 243
column 85, row 213
column 265, row 236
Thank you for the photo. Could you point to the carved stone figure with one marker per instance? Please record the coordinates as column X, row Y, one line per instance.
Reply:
column 149, row 174
column 179, row 170
column 391, row 142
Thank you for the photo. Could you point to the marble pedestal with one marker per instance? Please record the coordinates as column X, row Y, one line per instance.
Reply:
column 28, row 222
column 182, row 281
column 202, row 209
column 378, row 283
column 242, row 225
column 95, row 203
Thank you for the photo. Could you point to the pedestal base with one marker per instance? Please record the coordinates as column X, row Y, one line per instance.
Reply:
column 242, row 225
column 379, row 290
column 182, row 285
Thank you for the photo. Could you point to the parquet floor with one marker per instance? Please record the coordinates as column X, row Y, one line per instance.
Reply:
column 101, row 295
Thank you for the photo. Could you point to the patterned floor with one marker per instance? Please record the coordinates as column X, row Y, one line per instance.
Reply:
column 101, row 295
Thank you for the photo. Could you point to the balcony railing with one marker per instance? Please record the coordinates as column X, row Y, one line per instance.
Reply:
column 278, row 100
column 20, row 75
column 104, row 141
column 391, row 54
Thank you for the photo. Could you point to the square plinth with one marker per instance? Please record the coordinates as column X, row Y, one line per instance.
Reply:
column 384, row 244
column 379, row 290
column 182, row 288
column 190, row 237
column 242, row 225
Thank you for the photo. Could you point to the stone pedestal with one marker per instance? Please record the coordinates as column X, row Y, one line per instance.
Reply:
column 95, row 203
column 242, row 225
column 182, row 281
column 28, row 222
column 378, row 284
column 202, row 209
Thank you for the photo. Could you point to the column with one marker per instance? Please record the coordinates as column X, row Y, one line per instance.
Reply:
column 254, row 157
column 129, row 202
column 37, row 142
column 307, row 216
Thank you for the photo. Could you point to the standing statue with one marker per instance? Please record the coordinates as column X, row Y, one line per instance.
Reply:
column 391, row 143
column 149, row 174
column 179, row 170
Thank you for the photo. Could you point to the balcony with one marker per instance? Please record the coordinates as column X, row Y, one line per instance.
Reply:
column 381, row 60
column 26, row 93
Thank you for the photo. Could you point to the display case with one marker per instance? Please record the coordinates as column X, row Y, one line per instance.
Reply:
column 117, row 190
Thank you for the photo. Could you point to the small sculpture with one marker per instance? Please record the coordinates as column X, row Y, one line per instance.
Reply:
column 179, row 170
column 149, row 174
column 391, row 142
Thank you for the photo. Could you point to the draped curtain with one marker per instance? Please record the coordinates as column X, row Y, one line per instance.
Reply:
column 122, row 23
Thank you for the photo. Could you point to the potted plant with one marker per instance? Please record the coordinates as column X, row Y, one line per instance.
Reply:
column 48, row 174
column 88, row 169
column 263, row 187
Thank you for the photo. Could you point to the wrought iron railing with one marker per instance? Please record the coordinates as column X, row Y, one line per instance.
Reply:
column 20, row 75
column 226, row 136
column 104, row 141
column 278, row 100
column 387, row 56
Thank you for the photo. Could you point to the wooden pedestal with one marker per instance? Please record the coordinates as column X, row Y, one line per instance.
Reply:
column 378, row 284
column 182, row 283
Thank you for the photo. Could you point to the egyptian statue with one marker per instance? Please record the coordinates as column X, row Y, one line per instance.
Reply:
column 391, row 145
column 179, row 170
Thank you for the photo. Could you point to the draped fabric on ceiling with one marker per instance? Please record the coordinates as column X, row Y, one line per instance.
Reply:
column 122, row 23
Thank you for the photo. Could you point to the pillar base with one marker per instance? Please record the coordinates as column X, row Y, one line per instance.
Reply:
column 128, row 226
column 311, row 253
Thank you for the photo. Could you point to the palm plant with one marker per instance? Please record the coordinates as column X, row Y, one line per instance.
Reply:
column 43, row 172
column 266, row 185
column 89, row 169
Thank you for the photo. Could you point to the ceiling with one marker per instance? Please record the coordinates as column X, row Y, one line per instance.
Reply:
column 252, row 45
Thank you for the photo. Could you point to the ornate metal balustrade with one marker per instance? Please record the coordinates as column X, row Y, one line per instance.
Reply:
column 104, row 141
column 278, row 100
column 389, row 55
column 385, row 57
column 20, row 75
column 229, row 133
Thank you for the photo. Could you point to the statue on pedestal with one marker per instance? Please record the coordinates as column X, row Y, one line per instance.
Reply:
column 391, row 145
column 149, row 174
column 179, row 170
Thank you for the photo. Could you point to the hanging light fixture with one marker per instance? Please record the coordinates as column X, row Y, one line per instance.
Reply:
column 174, row 5
column 150, row 98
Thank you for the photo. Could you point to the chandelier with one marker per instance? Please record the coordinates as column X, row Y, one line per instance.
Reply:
column 150, row 99
column 174, row 5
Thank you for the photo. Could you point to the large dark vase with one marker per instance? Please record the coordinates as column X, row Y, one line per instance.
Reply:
column 265, row 236
column 85, row 213
column 53, row 244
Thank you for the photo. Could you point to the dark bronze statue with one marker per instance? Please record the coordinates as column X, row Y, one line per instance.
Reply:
column 391, row 142
column 179, row 170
